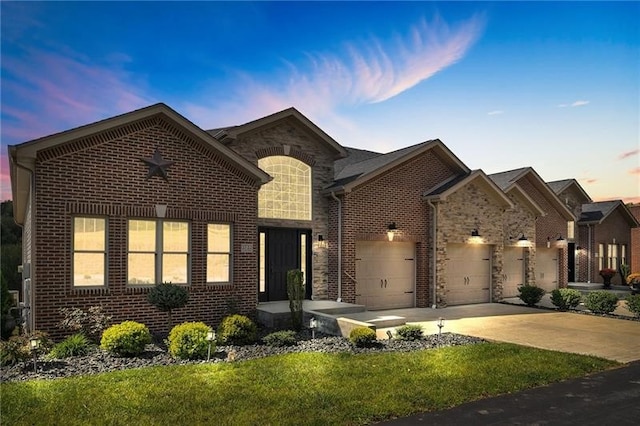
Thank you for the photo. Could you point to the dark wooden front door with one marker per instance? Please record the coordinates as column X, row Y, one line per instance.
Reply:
column 284, row 249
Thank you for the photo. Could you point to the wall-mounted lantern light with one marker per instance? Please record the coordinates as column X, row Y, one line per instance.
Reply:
column 475, row 233
column 391, row 230
column 475, row 237
column 322, row 243
column 560, row 241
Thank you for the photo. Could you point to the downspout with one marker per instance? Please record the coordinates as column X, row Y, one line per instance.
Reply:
column 434, row 275
column 333, row 195
column 589, row 255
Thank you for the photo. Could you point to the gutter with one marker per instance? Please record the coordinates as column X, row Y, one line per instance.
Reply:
column 434, row 275
column 333, row 195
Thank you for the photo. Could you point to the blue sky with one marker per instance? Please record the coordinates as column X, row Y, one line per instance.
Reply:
column 551, row 85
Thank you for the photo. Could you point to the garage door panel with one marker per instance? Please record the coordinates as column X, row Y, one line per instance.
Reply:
column 385, row 274
column 512, row 271
column 468, row 274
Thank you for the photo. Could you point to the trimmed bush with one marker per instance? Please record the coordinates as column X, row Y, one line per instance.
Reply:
column 237, row 330
column 601, row 302
column 565, row 298
column 14, row 350
column 75, row 345
column 125, row 339
column 167, row 297
column 530, row 294
column 362, row 337
column 280, row 338
column 633, row 303
column 409, row 332
column 189, row 340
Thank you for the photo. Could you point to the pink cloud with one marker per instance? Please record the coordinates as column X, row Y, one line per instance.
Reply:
column 5, row 178
column 628, row 154
column 635, row 171
column 47, row 92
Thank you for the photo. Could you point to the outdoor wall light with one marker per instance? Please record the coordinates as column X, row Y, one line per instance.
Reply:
column 321, row 241
column 313, row 324
column 211, row 336
column 559, row 241
column 391, row 230
column 475, row 233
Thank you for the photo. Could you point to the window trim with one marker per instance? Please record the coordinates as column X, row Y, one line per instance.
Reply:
column 105, row 252
column 159, row 251
column 229, row 253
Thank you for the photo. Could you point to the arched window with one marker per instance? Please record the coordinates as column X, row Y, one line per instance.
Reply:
column 288, row 195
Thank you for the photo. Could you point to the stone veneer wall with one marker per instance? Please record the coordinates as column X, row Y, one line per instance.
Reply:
column 289, row 138
column 468, row 208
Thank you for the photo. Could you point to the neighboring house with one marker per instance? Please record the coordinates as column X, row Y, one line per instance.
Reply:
column 603, row 232
column 635, row 240
column 112, row 208
column 547, row 256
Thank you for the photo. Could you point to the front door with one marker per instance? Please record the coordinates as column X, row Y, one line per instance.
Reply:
column 281, row 250
column 571, row 262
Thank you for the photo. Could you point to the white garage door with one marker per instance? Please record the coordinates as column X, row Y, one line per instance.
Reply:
column 512, row 271
column 547, row 268
column 385, row 274
column 468, row 274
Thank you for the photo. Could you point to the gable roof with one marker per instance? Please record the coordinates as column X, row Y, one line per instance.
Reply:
column 509, row 179
column 22, row 157
column 357, row 173
column 559, row 186
column 442, row 191
column 598, row 212
column 231, row 133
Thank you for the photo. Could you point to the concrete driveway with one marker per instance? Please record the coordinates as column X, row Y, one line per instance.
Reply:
column 616, row 339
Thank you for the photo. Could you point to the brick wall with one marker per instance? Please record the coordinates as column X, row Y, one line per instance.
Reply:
column 394, row 196
column 614, row 227
column 104, row 176
column 288, row 137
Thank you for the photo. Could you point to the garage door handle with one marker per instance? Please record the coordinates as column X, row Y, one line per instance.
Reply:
column 385, row 283
column 408, row 292
column 381, row 283
column 486, row 288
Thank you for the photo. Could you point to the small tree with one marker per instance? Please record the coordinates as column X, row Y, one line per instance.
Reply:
column 295, row 291
column 168, row 297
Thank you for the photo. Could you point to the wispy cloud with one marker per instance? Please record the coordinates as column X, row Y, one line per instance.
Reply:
column 496, row 112
column 635, row 171
column 628, row 154
column 574, row 104
column 364, row 72
column 45, row 92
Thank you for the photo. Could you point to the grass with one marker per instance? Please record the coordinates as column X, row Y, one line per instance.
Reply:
column 293, row 389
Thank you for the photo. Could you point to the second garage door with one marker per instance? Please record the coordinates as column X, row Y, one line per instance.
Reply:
column 547, row 268
column 468, row 274
column 512, row 271
column 385, row 274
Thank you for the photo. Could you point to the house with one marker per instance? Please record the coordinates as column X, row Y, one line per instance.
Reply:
column 111, row 208
column 635, row 239
column 546, row 259
column 603, row 233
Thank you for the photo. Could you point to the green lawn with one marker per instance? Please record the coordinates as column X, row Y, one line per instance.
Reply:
column 294, row 389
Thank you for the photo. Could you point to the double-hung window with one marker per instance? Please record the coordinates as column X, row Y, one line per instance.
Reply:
column 158, row 251
column 89, row 251
column 219, row 253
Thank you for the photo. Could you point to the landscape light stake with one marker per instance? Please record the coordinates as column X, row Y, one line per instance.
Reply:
column 211, row 336
column 35, row 343
column 313, row 323
column 440, row 325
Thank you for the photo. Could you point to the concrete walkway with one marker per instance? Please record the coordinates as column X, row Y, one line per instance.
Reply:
column 616, row 339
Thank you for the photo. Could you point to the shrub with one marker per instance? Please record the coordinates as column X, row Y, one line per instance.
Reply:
column 362, row 337
column 409, row 332
column 237, row 330
column 601, row 302
column 7, row 322
column 624, row 271
column 633, row 303
column 75, row 345
column 14, row 350
column 168, row 297
column 280, row 338
column 189, row 340
column 91, row 323
column 530, row 294
column 565, row 298
column 125, row 339
column 295, row 292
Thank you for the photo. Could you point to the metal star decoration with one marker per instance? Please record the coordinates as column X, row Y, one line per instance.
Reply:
column 157, row 165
